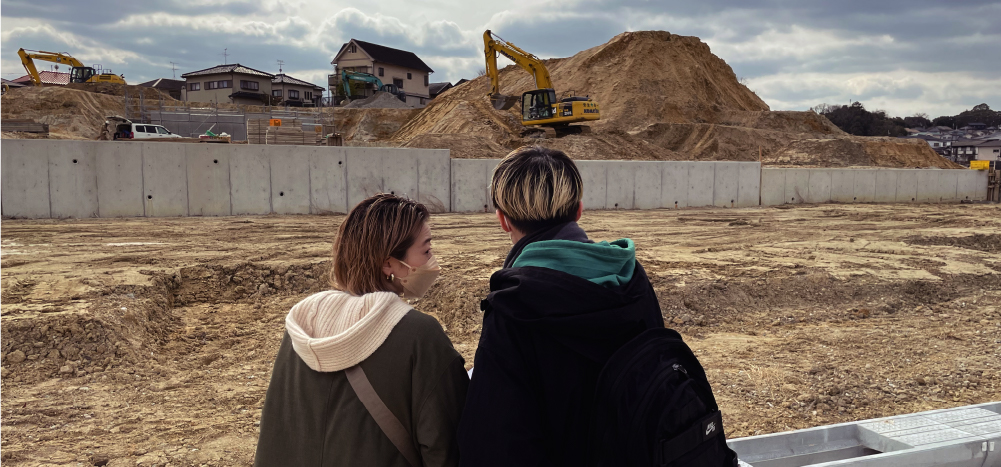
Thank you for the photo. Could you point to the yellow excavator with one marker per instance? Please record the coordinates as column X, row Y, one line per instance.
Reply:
column 540, row 106
column 78, row 74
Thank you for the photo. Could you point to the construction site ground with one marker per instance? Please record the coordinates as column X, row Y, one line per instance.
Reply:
column 150, row 341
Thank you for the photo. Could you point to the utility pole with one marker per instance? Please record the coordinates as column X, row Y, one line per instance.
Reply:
column 173, row 69
column 225, row 55
column 284, row 97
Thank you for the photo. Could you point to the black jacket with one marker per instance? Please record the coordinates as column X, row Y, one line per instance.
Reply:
column 546, row 336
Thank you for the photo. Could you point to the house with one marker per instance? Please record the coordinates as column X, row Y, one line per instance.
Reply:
column 934, row 142
column 295, row 92
column 233, row 83
column 437, row 88
column 171, row 87
column 49, row 78
column 12, row 84
column 392, row 66
column 989, row 150
column 970, row 150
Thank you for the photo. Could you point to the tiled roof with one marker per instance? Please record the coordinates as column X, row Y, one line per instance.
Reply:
column 286, row 79
column 438, row 88
column 381, row 53
column 232, row 68
column 11, row 83
column 48, row 77
column 164, row 83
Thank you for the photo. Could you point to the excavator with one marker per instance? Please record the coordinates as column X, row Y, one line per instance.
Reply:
column 348, row 76
column 539, row 107
column 78, row 74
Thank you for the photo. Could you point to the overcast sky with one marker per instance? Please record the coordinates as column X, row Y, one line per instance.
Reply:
column 937, row 57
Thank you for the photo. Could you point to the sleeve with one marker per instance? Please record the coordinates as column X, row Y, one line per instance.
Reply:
column 438, row 420
column 502, row 423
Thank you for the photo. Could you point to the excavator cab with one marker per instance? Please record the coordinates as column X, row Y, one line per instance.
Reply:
column 537, row 104
column 81, row 74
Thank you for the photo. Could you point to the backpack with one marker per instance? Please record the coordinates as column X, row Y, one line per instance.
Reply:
column 654, row 407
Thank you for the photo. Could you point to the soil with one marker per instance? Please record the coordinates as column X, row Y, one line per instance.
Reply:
column 70, row 113
column 150, row 341
column 379, row 100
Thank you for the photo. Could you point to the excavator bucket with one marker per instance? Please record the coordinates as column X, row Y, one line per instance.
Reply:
column 502, row 102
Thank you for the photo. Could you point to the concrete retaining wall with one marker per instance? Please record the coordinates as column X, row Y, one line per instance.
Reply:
column 871, row 185
column 50, row 178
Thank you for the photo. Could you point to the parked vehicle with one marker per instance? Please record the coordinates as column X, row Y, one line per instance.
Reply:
column 125, row 129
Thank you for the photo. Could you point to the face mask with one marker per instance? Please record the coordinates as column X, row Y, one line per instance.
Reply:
column 420, row 279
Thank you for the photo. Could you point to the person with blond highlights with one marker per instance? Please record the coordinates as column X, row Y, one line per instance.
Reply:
column 361, row 378
column 556, row 312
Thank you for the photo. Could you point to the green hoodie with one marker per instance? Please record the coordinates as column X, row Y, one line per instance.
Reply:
column 606, row 264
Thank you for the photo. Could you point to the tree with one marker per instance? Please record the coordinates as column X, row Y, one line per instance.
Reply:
column 856, row 120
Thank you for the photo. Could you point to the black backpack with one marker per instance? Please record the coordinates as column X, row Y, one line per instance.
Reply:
column 654, row 407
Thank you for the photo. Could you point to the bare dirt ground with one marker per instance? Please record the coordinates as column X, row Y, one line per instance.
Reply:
column 150, row 341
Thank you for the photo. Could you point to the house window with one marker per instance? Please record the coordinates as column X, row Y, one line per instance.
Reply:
column 425, row 80
column 276, row 92
column 194, row 86
column 218, row 84
column 382, row 71
column 226, row 84
column 410, row 76
column 293, row 94
column 251, row 85
column 398, row 82
column 211, row 85
column 354, row 48
column 309, row 95
column 422, row 101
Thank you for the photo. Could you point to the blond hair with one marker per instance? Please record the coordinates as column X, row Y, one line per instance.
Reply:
column 536, row 187
column 380, row 227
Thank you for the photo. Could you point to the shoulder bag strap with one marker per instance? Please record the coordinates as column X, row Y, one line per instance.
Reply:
column 388, row 422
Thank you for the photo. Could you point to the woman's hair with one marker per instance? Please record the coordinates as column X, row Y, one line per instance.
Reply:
column 536, row 188
column 380, row 227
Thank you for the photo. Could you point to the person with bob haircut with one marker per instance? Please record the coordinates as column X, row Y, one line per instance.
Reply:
column 361, row 378
column 558, row 309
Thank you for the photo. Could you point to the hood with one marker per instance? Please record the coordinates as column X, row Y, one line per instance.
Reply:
column 606, row 264
column 334, row 330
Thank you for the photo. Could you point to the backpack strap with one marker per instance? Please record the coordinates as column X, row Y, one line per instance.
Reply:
column 705, row 429
column 388, row 422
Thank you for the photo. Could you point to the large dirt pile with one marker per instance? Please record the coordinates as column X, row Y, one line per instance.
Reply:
column 662, row 97
column 70, row 113
column 379, row 100
column 367, row 125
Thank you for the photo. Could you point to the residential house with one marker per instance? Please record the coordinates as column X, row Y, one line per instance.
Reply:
column 233, row 83
column 170, row 87
column 392, row 66
column 969, row 150
column 989, row 150
column 295, row 92
column 49, row 78
column 437, row 88
column 12, row 84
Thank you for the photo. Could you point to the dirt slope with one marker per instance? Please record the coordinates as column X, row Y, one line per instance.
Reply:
column 70, row 113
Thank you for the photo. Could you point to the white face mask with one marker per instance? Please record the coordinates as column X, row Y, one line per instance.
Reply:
column 420, row 279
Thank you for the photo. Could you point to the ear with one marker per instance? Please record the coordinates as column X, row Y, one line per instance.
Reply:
column 580, row 211
column 387, row 268
column 505, row 224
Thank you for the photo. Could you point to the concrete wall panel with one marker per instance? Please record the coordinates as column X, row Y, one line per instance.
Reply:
column 701, row 180
column 165, row 179
column 843, row 185
column 289, row 178
column 726, row 184
column 328, row 184
column 399, row 172
column 470, row 185
column 886, row 185
column 250, row 180
column 674, row 184
column 73, row 180
column 865, row 186
column 950, row 185
column 907, row 185
column 208, row 179
column 594, row 176
column 25, row 179
column 933, row 186
column 647, row 184
column 434, row 177
column 620, row 189
column 748, row 184
column 365, row 174
column 820, row 186
column 120, row 180
column 773, row 186
column 972, row 185
column 797, row 186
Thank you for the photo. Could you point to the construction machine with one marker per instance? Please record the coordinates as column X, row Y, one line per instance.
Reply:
column 539, row 107
column 347, row 76
column 78, row 74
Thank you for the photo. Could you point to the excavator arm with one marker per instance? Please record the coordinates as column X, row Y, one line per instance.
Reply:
column 493, row 44
column 28, row 57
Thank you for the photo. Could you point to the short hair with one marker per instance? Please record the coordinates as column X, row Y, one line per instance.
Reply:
column 380, row 227
column 536, row 188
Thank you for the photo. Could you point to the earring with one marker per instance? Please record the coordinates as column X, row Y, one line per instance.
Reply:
column 391, row 277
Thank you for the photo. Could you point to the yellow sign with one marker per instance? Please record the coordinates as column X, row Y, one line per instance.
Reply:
column 275, row 122
column 980, row 165
column 318, row 128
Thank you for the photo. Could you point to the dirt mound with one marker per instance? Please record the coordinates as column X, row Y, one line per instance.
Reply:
column 379, row 100
column 113, row 89
column 370, row 124
column 854, row 151
column 70, row 113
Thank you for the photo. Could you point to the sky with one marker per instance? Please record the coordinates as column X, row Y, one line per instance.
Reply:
column 904, row 57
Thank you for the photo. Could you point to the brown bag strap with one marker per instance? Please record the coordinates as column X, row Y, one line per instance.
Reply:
column 390, row 425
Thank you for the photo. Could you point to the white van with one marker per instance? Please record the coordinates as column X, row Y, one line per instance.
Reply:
column 125, row 129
